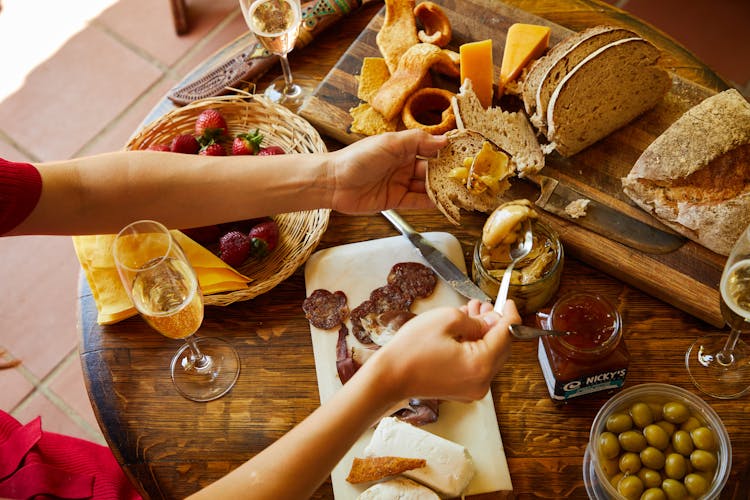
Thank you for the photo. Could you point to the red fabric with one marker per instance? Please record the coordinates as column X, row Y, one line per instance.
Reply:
column 38, row 464
column 20, row 189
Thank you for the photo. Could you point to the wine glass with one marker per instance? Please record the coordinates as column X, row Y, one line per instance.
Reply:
column 720, row 365
column 276, row 24
column 164, row 289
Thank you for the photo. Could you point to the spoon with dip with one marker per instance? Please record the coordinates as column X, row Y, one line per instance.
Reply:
column 518, row 251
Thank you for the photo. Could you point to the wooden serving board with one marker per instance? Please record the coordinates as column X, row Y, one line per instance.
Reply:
column 357, row 269
column 687, row 278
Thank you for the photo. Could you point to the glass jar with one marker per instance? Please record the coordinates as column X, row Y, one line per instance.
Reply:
column 528, row 297
column 594, row 358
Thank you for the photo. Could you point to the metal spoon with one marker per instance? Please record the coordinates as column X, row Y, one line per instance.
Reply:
column 523, row 332
column 520, row 249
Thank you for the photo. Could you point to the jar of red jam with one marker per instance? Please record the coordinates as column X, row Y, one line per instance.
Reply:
column 593, row 358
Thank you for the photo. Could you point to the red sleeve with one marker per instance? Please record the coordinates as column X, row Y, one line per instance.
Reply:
column 20, row 189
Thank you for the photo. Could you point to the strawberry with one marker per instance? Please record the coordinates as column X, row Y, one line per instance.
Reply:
column 264, row 237
column 244, row 225
column 210, row 126
column 247, row 144
column 271, row 150
column 234, row 248
column 184, row 143
column 213, row 149
column 205, row 235
column 159, row 147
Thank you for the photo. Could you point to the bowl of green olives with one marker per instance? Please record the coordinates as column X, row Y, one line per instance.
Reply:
column 657, row 441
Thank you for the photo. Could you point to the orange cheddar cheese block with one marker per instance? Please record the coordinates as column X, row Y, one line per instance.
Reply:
column 476, row 65
column 524, row 43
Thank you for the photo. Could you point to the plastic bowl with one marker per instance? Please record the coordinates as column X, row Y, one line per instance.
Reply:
column 597, row 481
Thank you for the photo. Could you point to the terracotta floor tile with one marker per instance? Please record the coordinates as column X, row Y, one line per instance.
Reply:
column 14, row 385
column 38, row 310
column 69, row 385
column 154, row 31
column 69, row 92
column 10, row 152
column 54, row 419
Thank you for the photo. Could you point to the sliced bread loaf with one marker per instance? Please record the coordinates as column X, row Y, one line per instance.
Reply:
column 544, row 77
column 606, row 90
column 509, row 130
column 448, row 193
column 695, row 177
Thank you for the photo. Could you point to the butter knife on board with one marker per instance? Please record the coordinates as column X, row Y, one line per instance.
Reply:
column 441, row 264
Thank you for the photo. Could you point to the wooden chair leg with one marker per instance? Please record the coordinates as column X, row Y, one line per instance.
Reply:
column 179, row 15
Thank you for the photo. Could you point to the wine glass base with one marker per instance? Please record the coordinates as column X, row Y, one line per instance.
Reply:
column 291, row 97
column 208, row 382
column 717, row 377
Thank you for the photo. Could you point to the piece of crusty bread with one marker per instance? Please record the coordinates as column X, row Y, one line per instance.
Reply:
column 509, row 130
column 605, row 91
column 695, row 177
column 547, row 72
column 451, row 195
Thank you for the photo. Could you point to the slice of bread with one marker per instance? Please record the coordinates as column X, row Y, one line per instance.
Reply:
column 606, row 90
column 546, row 74
column 509, row 130
column 695, row 177
column 450, row 195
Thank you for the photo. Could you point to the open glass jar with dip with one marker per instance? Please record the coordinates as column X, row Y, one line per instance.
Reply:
column 535, row 278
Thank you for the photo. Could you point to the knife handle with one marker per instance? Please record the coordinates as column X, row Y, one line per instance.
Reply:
column 398, row 222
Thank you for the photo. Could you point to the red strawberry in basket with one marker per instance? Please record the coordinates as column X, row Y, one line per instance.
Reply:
column 213, row 149
column 271, row 150
column 247, row 144
column 185, row 143
column 265, row 237
column 210, row 125
column 234, row 248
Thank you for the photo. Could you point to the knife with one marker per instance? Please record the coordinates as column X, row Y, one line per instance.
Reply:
column 441, row 264
column 601, row 219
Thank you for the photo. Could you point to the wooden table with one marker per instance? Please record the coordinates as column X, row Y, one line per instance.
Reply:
column 171, row 447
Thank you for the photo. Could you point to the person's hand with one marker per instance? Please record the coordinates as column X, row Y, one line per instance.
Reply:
column 447, row 353
column 382, row 172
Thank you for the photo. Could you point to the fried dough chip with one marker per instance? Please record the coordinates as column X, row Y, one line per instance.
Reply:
column 373, row 468
column 399, row 31
column 412, row 68
column 367, row 121
column 373, row 75
column 437, row 28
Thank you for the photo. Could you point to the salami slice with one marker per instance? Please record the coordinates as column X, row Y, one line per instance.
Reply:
column 326, row 310
column 346, row 366
column 413, row 278
column 358, row 329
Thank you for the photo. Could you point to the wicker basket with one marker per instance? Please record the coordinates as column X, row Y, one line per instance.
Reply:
column 300, row 232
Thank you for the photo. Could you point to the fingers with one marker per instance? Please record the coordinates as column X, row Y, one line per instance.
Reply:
column 498, row 337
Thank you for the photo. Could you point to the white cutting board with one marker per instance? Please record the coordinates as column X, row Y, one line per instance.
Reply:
column 357, row 269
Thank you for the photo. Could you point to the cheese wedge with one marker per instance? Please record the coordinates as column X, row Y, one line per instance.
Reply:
column 398, row 488
column 524, row 42
column 476, row 65
column 449, row 466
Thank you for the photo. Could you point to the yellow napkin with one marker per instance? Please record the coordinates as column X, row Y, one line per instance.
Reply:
column 112, row 301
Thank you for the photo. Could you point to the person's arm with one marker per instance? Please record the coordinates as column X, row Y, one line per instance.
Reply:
column 103, row 193
column 446, row 353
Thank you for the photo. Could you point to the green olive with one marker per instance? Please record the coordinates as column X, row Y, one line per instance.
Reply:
column 682, row 442
column 652, row 458
column 668, row 427
column 703, row 460
column 615, row 480
column 656, row 410
column 674, row 489
column 610, row 466
column 649, row 477
column 630, row 487
column 675, row 466
column 619, row 422
column 690, row 424
column 630, row 463
column 703, row 438
column 654, row 494
column 656, row 436
column 641, row 415
column 696, row 484
column 632, row 441
column 676, row 412
column 609, row 446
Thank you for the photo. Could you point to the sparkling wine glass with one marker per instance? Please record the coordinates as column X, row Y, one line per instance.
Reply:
column 164, row 289
column 276, row 24
column 720, row 365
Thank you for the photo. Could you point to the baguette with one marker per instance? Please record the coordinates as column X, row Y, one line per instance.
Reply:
column 605, row 91
column 695, row 177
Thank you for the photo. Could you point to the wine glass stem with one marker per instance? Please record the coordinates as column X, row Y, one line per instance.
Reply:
column 288, row 82
column 198, row 360
column 725, row 357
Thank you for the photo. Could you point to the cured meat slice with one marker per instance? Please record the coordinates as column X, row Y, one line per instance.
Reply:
column 326, row 310
column 385, row 298
column 346, row 366
column 413, row 278
column 420, row 411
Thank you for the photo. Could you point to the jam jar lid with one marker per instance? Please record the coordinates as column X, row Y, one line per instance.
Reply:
column 596, row 323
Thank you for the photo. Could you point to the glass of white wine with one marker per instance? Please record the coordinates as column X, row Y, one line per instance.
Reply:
column 720, row 365
column 165, row 290
column 276, row 24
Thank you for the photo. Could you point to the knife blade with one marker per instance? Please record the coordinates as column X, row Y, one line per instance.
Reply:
column 601, row 219
column 441, row 264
